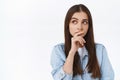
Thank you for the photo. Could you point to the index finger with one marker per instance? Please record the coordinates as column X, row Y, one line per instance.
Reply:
column 78, row 34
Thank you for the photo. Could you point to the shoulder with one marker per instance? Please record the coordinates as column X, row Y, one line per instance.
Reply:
column 59, row 46
column 99, row 47
column 100, row 52
column 57, row 56
column 58, row 51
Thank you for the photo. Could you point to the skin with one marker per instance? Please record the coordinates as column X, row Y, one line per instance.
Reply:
column 78, row 28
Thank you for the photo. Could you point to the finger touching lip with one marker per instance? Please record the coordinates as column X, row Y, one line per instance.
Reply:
column 79, row 33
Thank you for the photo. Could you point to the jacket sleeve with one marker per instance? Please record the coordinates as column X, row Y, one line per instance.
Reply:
column 57, row 63
column 107, row 72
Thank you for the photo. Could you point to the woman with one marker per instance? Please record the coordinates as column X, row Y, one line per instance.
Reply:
column 80, row 58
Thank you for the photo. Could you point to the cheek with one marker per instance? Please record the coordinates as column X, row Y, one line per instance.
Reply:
column 71, row 30
column 86, row 30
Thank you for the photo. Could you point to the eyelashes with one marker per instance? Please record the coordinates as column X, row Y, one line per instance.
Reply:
column 75, row 22
column 85, row 22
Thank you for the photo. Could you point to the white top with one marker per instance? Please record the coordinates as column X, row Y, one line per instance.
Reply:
column 81, row 52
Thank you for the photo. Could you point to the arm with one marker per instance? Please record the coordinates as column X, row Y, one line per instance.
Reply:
column 76, row 41
column 63, row 69
column 107, row 72
column 57, row 62
column 68, row 66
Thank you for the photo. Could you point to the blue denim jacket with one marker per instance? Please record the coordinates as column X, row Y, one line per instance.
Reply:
column 58, row 59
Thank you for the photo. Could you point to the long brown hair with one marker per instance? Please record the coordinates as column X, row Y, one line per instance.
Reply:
column 92, row 66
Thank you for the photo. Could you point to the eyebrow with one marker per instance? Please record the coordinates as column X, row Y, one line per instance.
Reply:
column 78, row 19
column 74, row 18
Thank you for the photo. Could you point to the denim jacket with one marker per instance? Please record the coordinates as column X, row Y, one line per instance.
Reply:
column 58, row 59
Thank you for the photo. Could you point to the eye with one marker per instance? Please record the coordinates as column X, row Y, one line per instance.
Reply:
column 85, row 22
column 74, row 21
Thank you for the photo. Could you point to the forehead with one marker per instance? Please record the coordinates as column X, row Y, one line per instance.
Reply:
column 80, row 15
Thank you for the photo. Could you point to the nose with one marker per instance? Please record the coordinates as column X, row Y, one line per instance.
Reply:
column 79, row 27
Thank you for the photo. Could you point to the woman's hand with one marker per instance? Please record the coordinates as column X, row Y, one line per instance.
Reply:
column 77, row 41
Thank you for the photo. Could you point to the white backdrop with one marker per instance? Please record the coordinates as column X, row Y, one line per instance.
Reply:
column 30, row 28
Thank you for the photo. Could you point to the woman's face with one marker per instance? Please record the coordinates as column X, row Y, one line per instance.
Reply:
column 79, row 23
